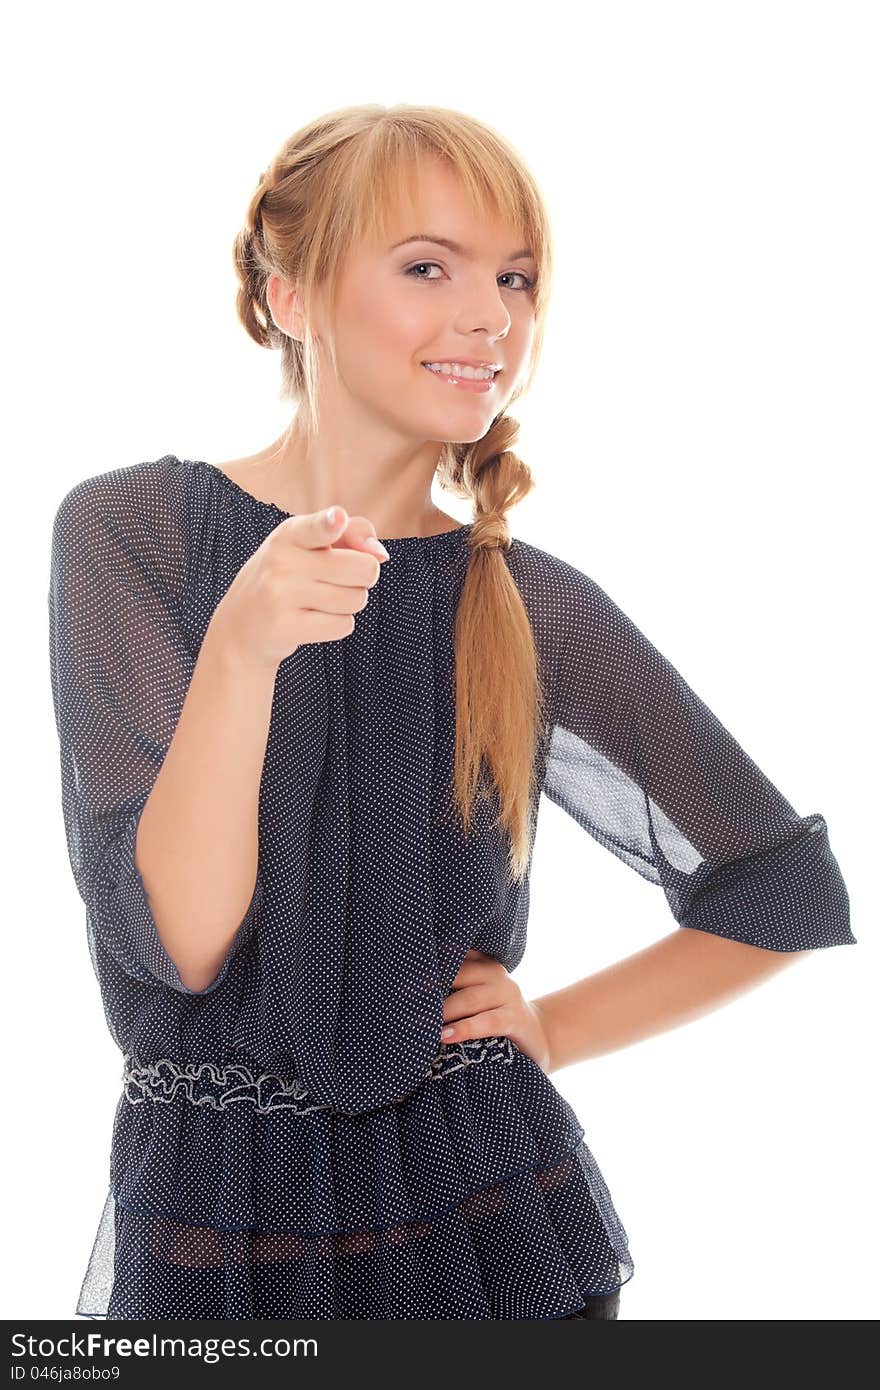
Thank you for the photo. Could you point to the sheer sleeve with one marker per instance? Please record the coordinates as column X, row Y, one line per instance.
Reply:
column 120, row 669
column 646, row 768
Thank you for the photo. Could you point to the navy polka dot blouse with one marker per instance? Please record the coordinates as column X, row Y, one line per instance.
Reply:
column 294, row 1141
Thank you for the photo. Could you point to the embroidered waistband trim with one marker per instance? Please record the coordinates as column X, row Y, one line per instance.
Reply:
column 217, row 1086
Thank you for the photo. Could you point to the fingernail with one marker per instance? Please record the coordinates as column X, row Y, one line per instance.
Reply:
column 447, row 1031
column 377, row 547
column 330, row 516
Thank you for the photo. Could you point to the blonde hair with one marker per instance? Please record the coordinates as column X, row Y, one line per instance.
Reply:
column 337, row 181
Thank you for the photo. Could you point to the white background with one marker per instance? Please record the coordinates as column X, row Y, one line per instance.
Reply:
column 704, row 437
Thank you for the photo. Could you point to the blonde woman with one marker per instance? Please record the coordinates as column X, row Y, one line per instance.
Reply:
column 301, row 772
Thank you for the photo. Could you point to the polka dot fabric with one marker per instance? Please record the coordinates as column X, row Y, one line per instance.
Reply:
column 294, row 1141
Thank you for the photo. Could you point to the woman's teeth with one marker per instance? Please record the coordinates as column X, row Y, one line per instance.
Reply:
column 458, row 369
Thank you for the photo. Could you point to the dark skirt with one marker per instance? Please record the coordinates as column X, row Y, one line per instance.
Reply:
column 600, row 1305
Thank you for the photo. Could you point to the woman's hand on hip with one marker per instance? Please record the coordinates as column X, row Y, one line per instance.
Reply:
column 486, row 1002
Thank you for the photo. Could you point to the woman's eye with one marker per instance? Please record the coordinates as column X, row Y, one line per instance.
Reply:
column 421, row 264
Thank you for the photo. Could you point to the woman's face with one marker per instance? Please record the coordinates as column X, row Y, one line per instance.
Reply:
column 401, row 306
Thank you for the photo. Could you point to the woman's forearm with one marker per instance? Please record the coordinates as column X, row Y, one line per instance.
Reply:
column 685, row 975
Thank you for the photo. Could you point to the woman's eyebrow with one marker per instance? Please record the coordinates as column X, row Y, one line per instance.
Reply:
column 456, row 246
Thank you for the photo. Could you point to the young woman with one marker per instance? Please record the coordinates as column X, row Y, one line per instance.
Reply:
column 301, row 775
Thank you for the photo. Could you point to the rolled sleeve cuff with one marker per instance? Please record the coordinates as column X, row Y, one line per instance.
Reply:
column 126, row 925
column 790, row 898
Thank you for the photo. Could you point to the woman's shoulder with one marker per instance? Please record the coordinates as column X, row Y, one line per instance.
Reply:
column 550, row 583
column 150, row 515
column 152, row 487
